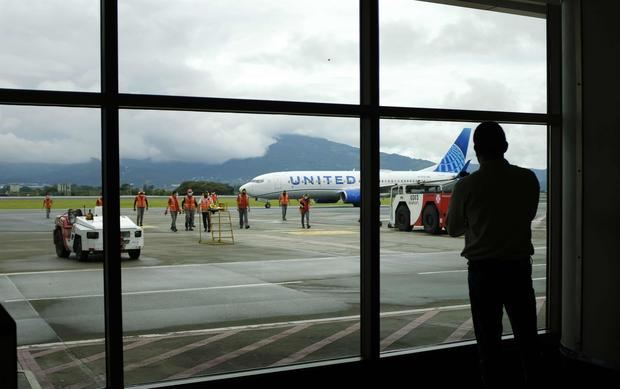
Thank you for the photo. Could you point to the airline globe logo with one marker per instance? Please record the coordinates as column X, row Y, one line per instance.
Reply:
column 319, row 180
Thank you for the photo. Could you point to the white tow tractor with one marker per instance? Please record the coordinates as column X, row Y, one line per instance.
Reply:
column 82, row 234
column 420, row 205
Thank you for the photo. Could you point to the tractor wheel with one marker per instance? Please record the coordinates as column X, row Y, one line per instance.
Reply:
column 80, row 254
column 430, row 219
column 134, row 254
column 61, row 250
column 403, row 218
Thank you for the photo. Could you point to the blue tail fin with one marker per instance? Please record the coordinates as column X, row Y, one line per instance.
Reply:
column 454, row 160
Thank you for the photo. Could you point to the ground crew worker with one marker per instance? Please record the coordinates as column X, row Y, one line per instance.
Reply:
column 283, row 201
column 174, row 208
column 214, row 198
column 47, row 204
column 304, row 208
column 99, row 201
column 243, row 206
column 205, row 205
column 142, row 204
column 189, row 205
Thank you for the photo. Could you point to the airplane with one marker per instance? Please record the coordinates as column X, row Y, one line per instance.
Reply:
column 332, row 186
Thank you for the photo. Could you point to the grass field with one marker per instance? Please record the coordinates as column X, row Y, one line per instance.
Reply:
column 154, row 202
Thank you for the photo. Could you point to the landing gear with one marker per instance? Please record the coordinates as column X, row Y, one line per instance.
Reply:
column 267, row 205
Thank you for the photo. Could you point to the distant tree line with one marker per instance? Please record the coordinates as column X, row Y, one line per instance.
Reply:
column 200, row 187
column 125, row 189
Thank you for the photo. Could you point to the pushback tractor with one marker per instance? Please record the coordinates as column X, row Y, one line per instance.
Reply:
column 82, row 234
column 420, row 206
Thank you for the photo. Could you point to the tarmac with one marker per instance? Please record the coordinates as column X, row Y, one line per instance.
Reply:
column 279, row 295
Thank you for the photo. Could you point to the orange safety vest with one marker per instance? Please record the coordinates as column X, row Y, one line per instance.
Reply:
column 173, row 204
column 190, row 203
column 99, row 202
column 283, row 199
column 205, row 202
column 47, row 202
column 243, row 201
column 304, row 205
column 141, row 201
column 214, row 198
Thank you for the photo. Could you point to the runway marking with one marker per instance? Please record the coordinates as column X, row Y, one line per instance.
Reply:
column 32, row 379
column 95, row 357
column 157, row 291
column 539, row 305
column 234, row 354
column 317, row 346
column 180, row 350
column 387, row 342
column 315, row 232
column 465, row 270
column 461, row 331
column 28, row 362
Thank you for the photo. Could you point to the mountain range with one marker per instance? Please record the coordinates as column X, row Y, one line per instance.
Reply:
column 289, row 152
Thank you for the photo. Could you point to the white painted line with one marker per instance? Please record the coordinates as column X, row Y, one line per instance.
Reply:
column 442, row 272
column 28, row 363
column 387, row 342
column 178, row 351
column 462, row 271
column 234, row 354
column 317, row 346
column 32, row 380
column 95, row 357
column 539, row 278
column 245, row 327
column 461, row 331
column 157, row 291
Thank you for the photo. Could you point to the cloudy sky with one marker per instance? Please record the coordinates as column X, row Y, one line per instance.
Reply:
column 304, row 50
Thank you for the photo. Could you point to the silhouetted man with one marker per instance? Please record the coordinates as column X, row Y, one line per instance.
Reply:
column 494, row 208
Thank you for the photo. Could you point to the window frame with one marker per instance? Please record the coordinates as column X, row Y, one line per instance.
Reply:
column 369, row 111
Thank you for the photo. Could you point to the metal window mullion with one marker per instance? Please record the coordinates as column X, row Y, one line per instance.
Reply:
column 110, row 180
column 369, row 163
column 554, row 169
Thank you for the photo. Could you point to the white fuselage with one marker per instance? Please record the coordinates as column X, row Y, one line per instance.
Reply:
column 329, row 185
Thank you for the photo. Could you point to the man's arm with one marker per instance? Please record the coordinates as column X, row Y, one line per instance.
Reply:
column 456, row 213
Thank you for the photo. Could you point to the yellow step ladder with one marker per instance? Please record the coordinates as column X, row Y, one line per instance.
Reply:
column 221, row 227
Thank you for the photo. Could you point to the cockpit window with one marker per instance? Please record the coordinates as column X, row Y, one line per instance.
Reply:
column 258, row 181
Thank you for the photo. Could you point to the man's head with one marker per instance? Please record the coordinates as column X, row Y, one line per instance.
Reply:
column 489, row 141
column 174, row 193
column 283, row 192
column 190, row 192
column 243, row 191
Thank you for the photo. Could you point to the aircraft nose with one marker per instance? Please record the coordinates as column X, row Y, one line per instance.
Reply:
column 246, row 187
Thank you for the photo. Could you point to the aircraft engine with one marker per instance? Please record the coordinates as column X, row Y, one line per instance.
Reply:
column 351, row 196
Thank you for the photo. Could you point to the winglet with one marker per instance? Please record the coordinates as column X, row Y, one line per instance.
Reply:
column 463, row 171
column 454, row 160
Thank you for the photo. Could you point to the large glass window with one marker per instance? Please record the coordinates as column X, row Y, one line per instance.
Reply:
column 211, row 293
column 440, row 56
column 424, row 298
column 50, row 262
column 304, row 51
column 50, row 44
column 215, row 294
